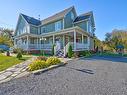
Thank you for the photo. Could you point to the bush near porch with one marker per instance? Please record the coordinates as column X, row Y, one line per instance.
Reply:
column 43, row 62
column 85, row 53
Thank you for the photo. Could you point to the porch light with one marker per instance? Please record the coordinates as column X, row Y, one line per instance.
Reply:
column 43, row 39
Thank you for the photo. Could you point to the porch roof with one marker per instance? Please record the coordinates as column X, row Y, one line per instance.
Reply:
column 76, row 28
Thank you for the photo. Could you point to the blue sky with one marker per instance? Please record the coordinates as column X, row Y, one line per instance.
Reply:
column 109, row 14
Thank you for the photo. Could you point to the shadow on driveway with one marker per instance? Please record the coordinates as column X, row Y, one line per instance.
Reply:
column 108, row 58
column 82, row 70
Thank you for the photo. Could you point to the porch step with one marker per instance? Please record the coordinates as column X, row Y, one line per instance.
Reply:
column 60, row 53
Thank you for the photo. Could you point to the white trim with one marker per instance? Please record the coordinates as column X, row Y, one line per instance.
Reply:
column 82, row 38
column 81, row 21
column 74, row 40
column 27, row 24
column 63, row 23
column 68, row 30
column 24, row 19
column 68, row 11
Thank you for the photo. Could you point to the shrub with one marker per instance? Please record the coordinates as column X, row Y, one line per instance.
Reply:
column 53, row 61
column 42, row 58
column 19, row 55
column 70, row 52
column 53, row 50
column 86, row 53
column 42, row 52
column 16, row 50
column 76, row 55
column 37, row 64
column 7, row 53
column 1, row 50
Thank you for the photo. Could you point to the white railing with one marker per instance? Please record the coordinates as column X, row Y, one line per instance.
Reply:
column 22, row 46
column 34, row 46
column 80, row 46
column 40, row 46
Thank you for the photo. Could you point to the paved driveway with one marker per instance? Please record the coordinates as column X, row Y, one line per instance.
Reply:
column 92, row 76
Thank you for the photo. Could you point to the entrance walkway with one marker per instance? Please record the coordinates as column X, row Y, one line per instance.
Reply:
column 15, row 71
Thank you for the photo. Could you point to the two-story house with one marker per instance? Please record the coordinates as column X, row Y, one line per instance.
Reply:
column 63, row 28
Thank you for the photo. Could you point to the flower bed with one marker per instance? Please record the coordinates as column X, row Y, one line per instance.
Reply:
column 43, row 62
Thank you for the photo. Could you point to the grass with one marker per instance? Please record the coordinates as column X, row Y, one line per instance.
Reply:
column 8, row 61
column 46, row 55
column 111, row 54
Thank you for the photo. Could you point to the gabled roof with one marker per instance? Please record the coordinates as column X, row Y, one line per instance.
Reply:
column 57, row 16
column 85, row 16
column 31, row 20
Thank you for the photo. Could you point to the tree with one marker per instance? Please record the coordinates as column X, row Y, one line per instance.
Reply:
column 116, row 37
column 6, row 36
column 70, row 52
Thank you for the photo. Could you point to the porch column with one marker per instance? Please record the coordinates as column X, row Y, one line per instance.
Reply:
column 63, row 40
column 74, row 40
column 53, row 39
column 82, row 39
column 37, row 43
column 88, row 39
column 27, row 43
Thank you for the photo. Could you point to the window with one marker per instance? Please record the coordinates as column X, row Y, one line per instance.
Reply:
column 43, row 30
column 72, row 16
column 58, row 26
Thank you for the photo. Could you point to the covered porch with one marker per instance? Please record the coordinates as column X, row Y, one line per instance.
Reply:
column 79, row 40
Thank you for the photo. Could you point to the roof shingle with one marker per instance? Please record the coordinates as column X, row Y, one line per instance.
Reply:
column 56, row 16
column 31, row 20
column 83, row 17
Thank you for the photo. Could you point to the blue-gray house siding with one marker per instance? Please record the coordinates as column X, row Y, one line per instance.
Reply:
column 50, row 27
column 21, row 27
column 68, row 21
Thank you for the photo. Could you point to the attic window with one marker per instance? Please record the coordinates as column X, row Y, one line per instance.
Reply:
column 72, row 16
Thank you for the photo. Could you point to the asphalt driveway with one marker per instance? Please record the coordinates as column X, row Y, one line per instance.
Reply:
column 91, row 76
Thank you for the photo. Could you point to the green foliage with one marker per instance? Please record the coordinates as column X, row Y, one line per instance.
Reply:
column 6, row 37
column 42, row 52
column 9, row 61
column 37, row 64
column 43, row 62
column 7, row 53
column 19, row 55
column 1, row 50
column 76, row 55
column 42, row 58
column 86, row 53
column 97, row 42
column 116, row 37
column 16, row 50
column 125, row 55
column 70, row 52
column 53, row 50
column 53, row 61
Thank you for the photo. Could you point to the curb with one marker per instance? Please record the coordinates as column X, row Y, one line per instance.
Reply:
column 37, row 72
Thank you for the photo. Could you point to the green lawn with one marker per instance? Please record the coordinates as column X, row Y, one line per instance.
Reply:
column 6, row 61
